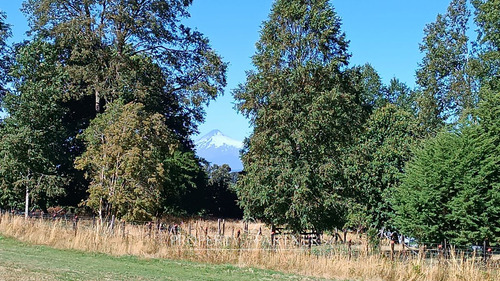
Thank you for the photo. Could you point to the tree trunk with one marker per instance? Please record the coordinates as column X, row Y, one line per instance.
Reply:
column 27, row 203
column 97, row 102
column 100, row 211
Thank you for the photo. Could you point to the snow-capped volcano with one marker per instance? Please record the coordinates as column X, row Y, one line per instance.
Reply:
column 219, row 149
column 217, row 139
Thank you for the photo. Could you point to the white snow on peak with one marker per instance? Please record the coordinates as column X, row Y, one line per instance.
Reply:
column 217, row 139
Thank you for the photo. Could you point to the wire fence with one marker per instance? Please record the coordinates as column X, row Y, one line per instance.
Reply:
column 221, row 235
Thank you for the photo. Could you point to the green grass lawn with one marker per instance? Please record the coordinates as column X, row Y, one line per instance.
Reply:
column 20, row 261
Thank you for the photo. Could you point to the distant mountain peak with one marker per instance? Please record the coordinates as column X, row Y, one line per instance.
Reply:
column 217, row 139
column 213, row 133
column 220, row 149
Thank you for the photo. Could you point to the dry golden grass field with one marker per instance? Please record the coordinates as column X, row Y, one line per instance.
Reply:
column 245, row 246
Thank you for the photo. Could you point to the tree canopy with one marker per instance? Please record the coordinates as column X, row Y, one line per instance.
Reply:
column 84, row 56
column 375, row 165
column 446, row 86
column 488, row 20
column 451, row 187
column 304, row 112
column 101, row 102
column 32, row 135
column 134, row 50
column 126, row 161
column 4, row 59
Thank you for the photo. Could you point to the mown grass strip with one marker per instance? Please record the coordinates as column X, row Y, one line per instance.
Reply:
column 20, row 261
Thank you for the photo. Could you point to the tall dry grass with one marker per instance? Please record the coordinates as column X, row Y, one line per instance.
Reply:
column 200, row 241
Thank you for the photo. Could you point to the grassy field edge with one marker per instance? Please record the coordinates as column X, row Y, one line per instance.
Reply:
column 23, row 261
column 249, row 251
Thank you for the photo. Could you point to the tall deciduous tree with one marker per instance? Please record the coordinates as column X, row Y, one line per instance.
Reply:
column 450, row 190
column 444, row 82
column 127, row 162
column 374, row 164
column 4, row 34
column 487, row 18
column 31, row 147
column 135, row 50
column 26, row 170
column 304, row 113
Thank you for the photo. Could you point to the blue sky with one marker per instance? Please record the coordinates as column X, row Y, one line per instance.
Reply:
column 384, row 33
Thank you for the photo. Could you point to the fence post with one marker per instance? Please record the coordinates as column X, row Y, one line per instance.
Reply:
column 218, row 227
column 441, row 252
column 273, row 231
column 484, row 248
column 403, row 250
column 349, row 248
column 158, row 229
column 392, row 249
column 150, row 228
column 75, row 224
column 446, row 252
column 123, row 229
column 112, row 226
column 223, row 227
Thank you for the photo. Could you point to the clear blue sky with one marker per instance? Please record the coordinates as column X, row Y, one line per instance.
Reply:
column 384, row 33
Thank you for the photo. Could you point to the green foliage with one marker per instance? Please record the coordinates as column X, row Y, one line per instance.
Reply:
column 26, row 166
column 187, row 179
column 371, row 86
column 374, row 94
column 219, row 192
column 4, row 56
column 399, row 94
column 373, row 238
column 304, row 113
column 487, row 18
column 420, row 201
column 451, row 189
column 32, row 134
column 375, row 165
column 488, row 142
column 127, row 162
column 84, row 55
column 445, row 85
column 358, row 216
column 133, row 50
